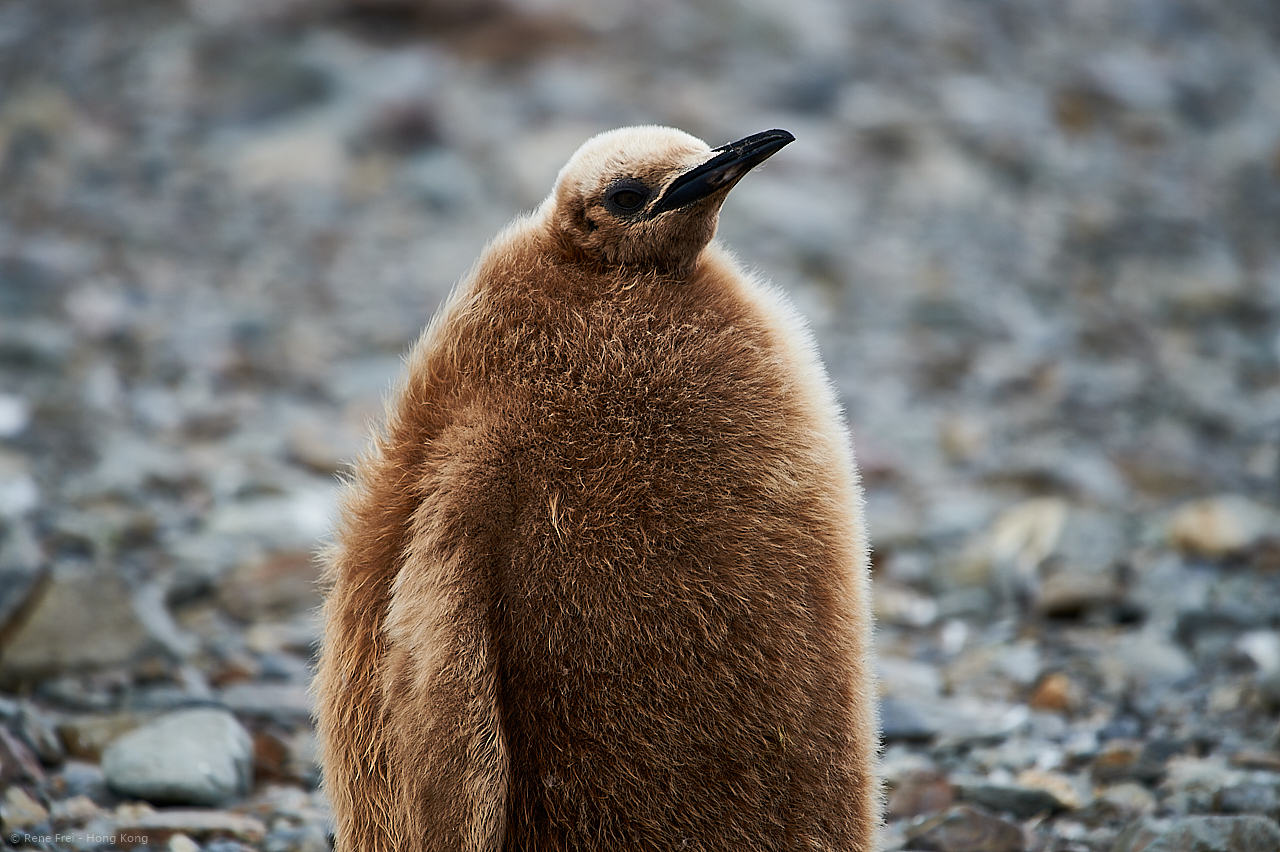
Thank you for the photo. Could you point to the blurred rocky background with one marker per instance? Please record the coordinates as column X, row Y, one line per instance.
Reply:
column 1039, row 241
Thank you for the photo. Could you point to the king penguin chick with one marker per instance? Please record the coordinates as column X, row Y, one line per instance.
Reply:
column 602, row 583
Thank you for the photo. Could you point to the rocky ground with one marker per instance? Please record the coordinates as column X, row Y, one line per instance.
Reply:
column 1039, row 241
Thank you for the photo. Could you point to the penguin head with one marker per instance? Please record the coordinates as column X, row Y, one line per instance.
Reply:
column 650, row 196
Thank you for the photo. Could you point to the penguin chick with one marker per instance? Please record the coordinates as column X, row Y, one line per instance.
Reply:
column 601, row 583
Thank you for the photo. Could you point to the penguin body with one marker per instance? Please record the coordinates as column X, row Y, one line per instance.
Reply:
column 602, row 582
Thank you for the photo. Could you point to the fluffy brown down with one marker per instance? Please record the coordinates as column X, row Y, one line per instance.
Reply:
column 602, row 582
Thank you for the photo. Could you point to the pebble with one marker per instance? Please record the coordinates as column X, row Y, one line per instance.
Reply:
column 1119, row 760
column 1193, row 785
column 180, row 842
column 1056, row 692
column 15, row 415
column 1138, row 836
column 289, row 703
column 18, row 765
column 901, row 722
column 86, row 736
column 76, row 810
column 38, row 734
column 1120, row 804
column 1134, row 760
column 1070, row 594
column 203, row 825
column 1022, row 803
column 1009, row 553
column 77, row 778
column 1219, row 526
column 967, row 829
column 283, row 583
column 83, row 620
column 200, row 756
column 306, row 838
column 283, row 756
column 1066, row 790
column 19, row 491
column 1268, row 761
column 1251, row 797
column 1208, row 834
column 1151, row 660
column 23, row 570
column 920, row 792
column 19, row 810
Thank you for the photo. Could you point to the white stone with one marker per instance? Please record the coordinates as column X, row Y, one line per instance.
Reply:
column 15, row 415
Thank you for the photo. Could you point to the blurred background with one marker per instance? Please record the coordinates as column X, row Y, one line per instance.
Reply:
column 1038, row 240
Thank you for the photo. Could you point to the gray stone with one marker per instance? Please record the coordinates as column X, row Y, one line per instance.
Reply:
column 28, row 288
column 17, row 762
column 34, row 729
column 305, row 838
column 901, row 722
column 77, row 778
column 1150, row 658
column 82, row 620
column 1019, row 802
column 1138, row 836
column 1120, row 803
column 1251, row 797
column 1193, row 785
column 200, row 756
column 286, row 702
column 1218, row 834
column 1267, row 686
column 22, row 571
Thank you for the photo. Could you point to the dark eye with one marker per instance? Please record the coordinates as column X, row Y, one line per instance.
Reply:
column 626, row 197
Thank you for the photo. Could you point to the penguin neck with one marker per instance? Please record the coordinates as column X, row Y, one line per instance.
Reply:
column 567, row 252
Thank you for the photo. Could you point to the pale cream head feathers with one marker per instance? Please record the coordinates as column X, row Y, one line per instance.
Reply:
column 649, row 196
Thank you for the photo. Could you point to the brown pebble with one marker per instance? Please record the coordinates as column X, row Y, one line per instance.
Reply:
column 923, row 791
column 270, row 757
column 1055, row 693
column 1267, row 761
column 85, row 737
column 1116, row 762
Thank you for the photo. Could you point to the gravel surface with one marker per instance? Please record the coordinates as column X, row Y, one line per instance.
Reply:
column 1039, row 241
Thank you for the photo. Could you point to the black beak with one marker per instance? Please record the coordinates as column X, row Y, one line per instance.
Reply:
column 731, row 162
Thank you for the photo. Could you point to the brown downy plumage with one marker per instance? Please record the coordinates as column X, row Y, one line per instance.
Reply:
column 602, row 583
